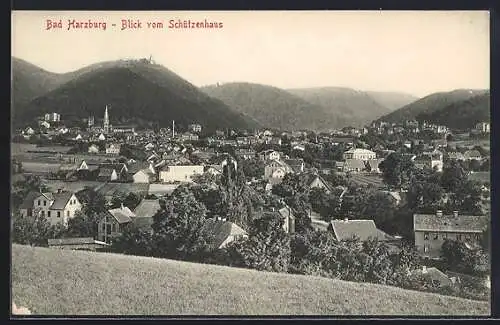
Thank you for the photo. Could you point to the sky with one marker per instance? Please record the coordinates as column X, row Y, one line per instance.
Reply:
column 415, row 52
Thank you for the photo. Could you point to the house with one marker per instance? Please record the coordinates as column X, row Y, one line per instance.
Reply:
column 433, row 275
column 359, row 154
column 316, row 181
column 296, row 164
column 188, row 136
column 107, row 174
column 45, row 124
column 195, row 128
column 431, row 230
column 269, row 155
column 180, row 173
column 112, row 223
column 430, row 160
column 149, row 146
column 483, row 127
column 93, row 148
column 52, row 117
column 244, row 153
column 82, row 243
column 353, row 165
column 142, row 172
column 456, row 155
column 276, row 169
column 372, row 165
column 362, row 229
column 113, row 149
column 222, row 232
column 56, row 207
column 472, row 155
column 274, row 141
column 29, row 131
column 101, row 137
column 144, row 213
column 214, row 170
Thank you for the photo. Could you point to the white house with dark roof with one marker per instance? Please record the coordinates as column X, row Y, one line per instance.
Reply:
column 56, row 207
column 431, row 230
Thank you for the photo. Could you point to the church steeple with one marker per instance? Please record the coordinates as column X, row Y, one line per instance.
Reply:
column 106, row 120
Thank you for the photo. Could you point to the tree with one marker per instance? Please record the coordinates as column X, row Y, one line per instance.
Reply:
column 30, row 230
column 460, row 258
column 134, row 241
column 454, row 175
column 266, row 249
column 21, row 188
column 179, row 230
column 397, row 170
column 253, row 168
column 132, row 200
column 84, row 225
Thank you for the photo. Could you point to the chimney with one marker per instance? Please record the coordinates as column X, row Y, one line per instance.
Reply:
column 122, row 207
column 424, row 269
column 455, row 214
column 439, row 213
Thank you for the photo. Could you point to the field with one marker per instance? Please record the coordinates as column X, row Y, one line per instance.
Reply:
column 366, row 179
column 110, row 189
column 61, row 282
column 54, row 185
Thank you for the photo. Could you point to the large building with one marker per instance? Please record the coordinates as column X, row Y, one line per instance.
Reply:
column 359, row 154
column 53, row 117
column 431, row 230
column 178, row 173
column 56, row 207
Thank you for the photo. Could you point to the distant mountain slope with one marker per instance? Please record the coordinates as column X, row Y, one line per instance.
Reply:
column 133, row 90
column 273, row 107
column 392, row 100
column 30, row 81
column 463, row 114
column 430, row 104
column 348, row 106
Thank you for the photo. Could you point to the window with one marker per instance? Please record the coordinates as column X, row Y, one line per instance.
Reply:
column 67, row 213
column 44, row 203
column 48, row 214
column 436, row 235
column 109, row 230
column 43, row 213
column 459, row 237
column 426, row 236
column 58, row 214
column 445, row 236
column 38, row 202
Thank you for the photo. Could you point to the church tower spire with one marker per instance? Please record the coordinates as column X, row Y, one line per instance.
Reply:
column 106, row 120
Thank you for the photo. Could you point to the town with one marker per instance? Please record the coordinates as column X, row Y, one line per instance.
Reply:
column 401, row 204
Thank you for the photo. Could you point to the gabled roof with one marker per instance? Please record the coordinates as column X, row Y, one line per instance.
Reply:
column 122, row 215
column 221, row 230
column 61, row 200
column 447, row 223
column 363, row 229
column 147, row 208
column 30, row 198
column 106, row 172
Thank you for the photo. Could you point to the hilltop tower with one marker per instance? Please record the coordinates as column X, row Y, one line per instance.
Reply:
column 106, row 120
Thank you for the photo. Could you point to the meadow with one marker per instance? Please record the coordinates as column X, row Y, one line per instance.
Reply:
column 62, row 282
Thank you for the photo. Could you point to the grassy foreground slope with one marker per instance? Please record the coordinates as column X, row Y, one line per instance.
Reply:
column 57, row 282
